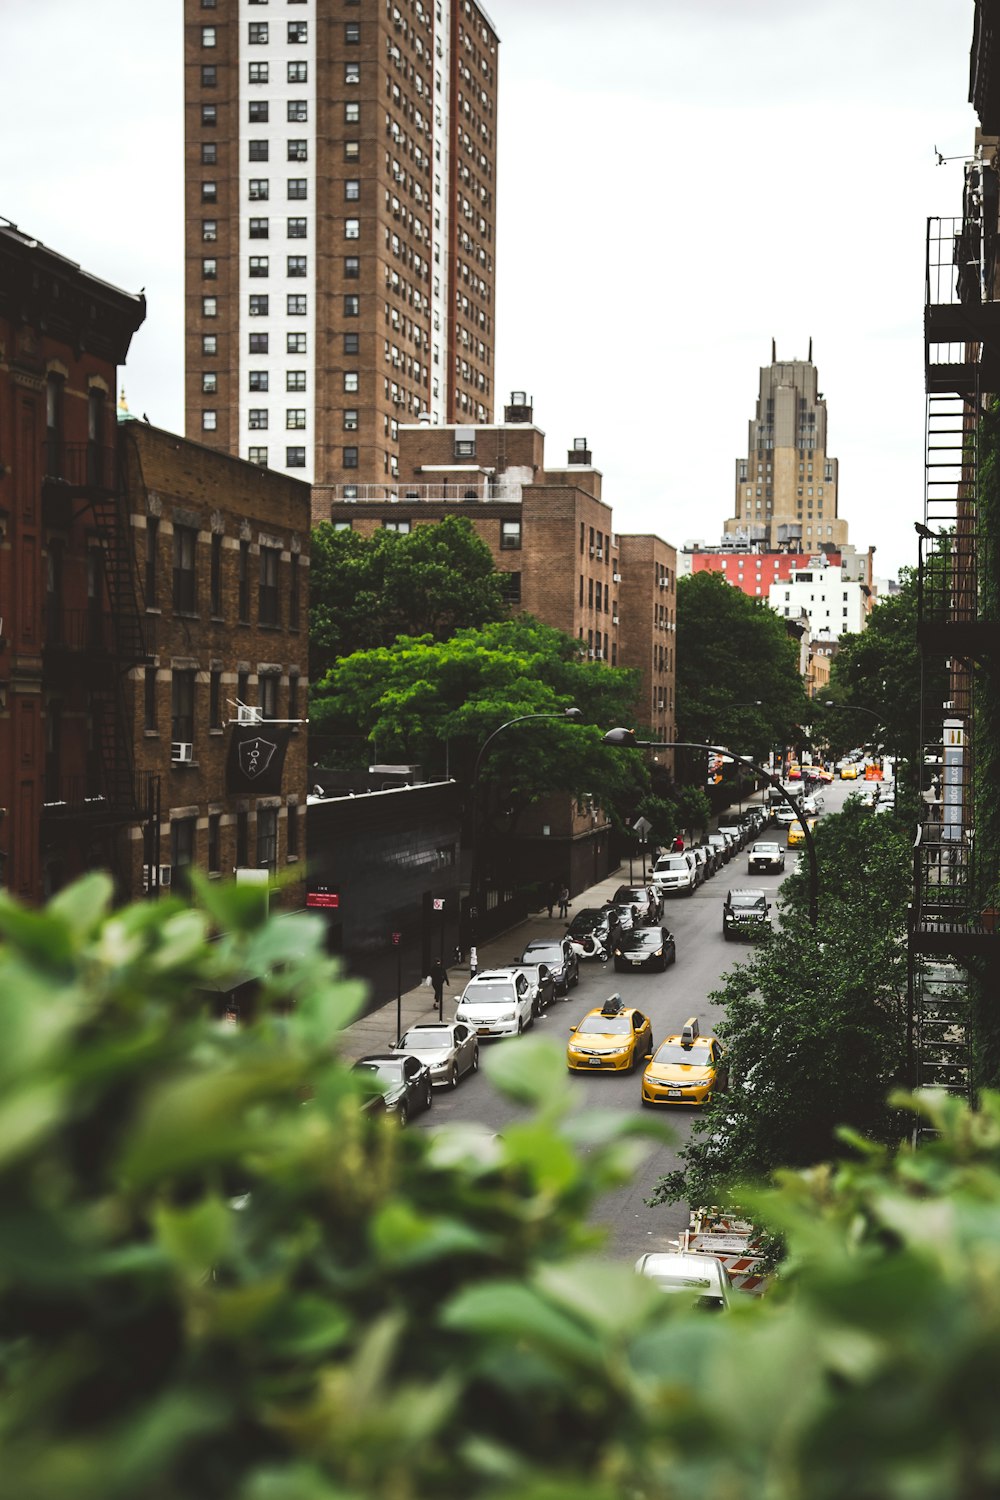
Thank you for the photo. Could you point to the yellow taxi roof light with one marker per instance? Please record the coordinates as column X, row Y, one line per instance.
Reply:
column 690, row 1032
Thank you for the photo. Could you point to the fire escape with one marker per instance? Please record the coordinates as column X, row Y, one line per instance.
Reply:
column 87, row 656
column 948, row 926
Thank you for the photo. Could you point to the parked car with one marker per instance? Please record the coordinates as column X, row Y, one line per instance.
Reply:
column 675, row 874
column 645, row 948
column 613, row 1037
column 724, row 846
column 404, row 1083
column 640, row 895
column 450, row 1050
column 702, row 1278
column 704, row 863
column 745, row 914
column 560, row 960
column 785, row 816
column 765, row 856
column 542, row 982
column 497, row 1002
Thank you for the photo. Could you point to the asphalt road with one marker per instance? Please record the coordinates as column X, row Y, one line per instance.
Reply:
column 703, row 956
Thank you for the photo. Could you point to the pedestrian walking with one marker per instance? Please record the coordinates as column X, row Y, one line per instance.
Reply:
column 678, row 845
column 552, row 896
column 564, row 901
column 439, row 978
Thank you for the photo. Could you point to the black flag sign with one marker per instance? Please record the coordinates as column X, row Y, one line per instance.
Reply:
column 256, row 757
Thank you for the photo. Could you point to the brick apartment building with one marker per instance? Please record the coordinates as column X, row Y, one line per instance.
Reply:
column 340, row 170
column 223, row 548
column 71, row 625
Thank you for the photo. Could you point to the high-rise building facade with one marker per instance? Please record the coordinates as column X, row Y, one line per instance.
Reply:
column 786, row 486
column 340, row 180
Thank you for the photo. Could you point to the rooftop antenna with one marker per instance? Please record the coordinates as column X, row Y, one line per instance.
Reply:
column 774, row 352
column 810, row 349
column 962, row 156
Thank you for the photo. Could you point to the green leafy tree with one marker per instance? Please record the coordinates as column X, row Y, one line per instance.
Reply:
column 734, row 650
column 222, row 1276
column 437, row 702
column 879, row 670
column 365, row 591
column 815, row 1024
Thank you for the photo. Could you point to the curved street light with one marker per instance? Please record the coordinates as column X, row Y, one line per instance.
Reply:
column 573, row 715
column 627, row 737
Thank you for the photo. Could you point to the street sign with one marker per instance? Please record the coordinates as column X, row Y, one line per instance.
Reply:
column 397, row 938
column 439, row 903
column 642, row 826
column 323, row 898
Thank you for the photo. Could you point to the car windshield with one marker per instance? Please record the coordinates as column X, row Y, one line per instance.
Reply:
column 672, row 862
column 430, row 1036
column 587, row 919
column 644, row 937
column 629, row 893
column 749, row 899
column 385, row 1070
column 552, row 955
column 767, row 848
column 610, row 1025
column 673, row 1052
column 488, row 994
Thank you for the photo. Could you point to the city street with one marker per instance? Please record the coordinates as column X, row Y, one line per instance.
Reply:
column 703, row 956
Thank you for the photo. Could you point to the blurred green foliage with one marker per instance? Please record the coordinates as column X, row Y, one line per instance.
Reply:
column 221, row 1276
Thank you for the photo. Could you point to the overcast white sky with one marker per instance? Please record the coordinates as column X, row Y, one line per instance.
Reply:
column 679, row 182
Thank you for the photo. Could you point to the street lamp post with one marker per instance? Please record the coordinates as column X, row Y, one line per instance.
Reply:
column 853, row 708
column 573, row 715
column 627, row 737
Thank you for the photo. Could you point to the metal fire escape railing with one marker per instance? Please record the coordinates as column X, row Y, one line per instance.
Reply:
column 82, row 480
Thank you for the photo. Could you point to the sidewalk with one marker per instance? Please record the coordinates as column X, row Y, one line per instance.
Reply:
column 377, row 1030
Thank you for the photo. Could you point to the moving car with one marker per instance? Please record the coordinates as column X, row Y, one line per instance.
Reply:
column 450, row 1049
column 685, row 1069
column 784, row 815
column 765, row 856
column 675, row 874
column 614, row 1037
column 497, row 1002
column 745, row 914
column 689, row 1273
column 796, row 833
column 645, row 948
column 557, row 955
column 403, row 1082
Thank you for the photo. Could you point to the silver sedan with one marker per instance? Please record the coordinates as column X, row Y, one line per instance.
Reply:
column 450, row 1049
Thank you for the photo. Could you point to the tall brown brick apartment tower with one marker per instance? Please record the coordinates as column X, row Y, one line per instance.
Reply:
column 340, row 227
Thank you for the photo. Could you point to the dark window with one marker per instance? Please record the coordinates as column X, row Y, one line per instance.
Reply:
column 182, row 851
column 352, row 150
column 258, row 150
column 259, row 380
column 267, row 838
column 298, row 150
column 258, row 112
column 296, row 265
column 293, row 830
column 511, row 587
column 269, row 695
column 295, row 304
column 257, row 35
column 244, row 585
column 152, row 547
column 259, row 265
column 352, row 113
column 352, row 267
column 352, row 189
column 352, row 305
column 297, row 187
column 242, row 838
column 185, row 549
column 510, row 535
column 296, row 229
column 182, row 706
column 351, row 420
column 258, row 305
column 350, row 458
column 295, row 343
column 243, row 687
column 209, row 114
column 214, row 843
column 352, row 33
column 298, row 31
column 294, row 600
column 351, row 343
column 209, row 343
column 209, row 382
column 295, row 380
column 258, row 73
column 298, row 111
column 209, row 268
column 209, row 77
column 298, row 72
column 215, row 698
column 258, row 343
column 149, row 698
column 215, row 577
column 209, row 192
column 210, row 229
column 259, row 190
column 257, row 456
column 295, row 458
column 209, row 153
column 352, row 72
column 269, row 612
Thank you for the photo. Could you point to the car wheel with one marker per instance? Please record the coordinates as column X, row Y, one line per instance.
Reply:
column 575, row 980
column 453, row 1077
column 520, row 1026
column 429, row 1096
column 403, row 1112
column 475, row 1062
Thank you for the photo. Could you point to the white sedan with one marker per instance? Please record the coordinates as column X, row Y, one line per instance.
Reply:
column 450, row 1049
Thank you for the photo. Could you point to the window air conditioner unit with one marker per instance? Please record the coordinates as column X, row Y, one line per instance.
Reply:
column 661, row 704
column 590, row 653
column 600, row 554
column 592, row 551
column 181, row 753
column 599, row 655
column 616, row 578
column 614, row 619
column 165, row 874
column 246, row 714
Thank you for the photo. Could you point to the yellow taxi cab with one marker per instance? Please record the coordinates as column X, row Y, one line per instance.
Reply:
column 849, row 772
column 794, row 771
column 613, row 1036
column 685, row 1069
column 796, row 833
column 825, row 775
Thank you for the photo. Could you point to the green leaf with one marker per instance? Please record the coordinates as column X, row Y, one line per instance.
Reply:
column 195, row 1237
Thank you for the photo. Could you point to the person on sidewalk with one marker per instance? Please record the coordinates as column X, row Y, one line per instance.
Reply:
column 439, row 978
column 553, row 895
column 564, row 901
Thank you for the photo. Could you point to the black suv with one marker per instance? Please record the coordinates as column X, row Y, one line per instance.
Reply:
column 745, row 914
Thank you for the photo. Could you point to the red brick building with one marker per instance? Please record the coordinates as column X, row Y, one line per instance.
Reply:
column 71, row 622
